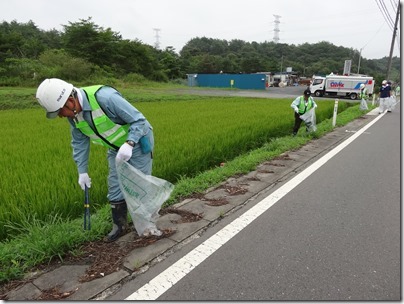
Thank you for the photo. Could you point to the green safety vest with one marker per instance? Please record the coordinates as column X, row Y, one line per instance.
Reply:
column 364, row 94
column 106, row 133
column 302, row 106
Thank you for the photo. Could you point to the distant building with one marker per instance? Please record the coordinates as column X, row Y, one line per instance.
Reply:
column 222, row 80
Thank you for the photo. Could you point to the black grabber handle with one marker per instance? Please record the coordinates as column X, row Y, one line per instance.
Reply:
column 87, row 219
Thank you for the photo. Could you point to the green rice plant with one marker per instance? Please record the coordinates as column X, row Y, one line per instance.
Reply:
column 17, row 98
column 39, row 176
column 196, row 135
column 39, row 241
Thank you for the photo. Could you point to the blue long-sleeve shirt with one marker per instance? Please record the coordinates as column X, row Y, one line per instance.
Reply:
column 118, row 109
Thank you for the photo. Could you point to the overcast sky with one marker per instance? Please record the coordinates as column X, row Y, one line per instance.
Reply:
column 357, row 24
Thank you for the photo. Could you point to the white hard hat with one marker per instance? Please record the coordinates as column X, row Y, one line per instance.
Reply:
column 52, row 95
column 384, row 82
column 362, row 85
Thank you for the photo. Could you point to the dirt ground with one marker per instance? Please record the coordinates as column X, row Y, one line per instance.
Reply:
column 103, row 258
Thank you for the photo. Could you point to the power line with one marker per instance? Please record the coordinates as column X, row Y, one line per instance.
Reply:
column 392, row 42
column 381, row 10
column 386, row 12
column 387, row 17
column 393, row 5
column 373, row 36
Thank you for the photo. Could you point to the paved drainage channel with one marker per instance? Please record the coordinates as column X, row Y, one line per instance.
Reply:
column 235, row 186
column 220, row 196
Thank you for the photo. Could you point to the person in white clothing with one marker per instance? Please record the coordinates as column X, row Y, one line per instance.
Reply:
column 384, row 94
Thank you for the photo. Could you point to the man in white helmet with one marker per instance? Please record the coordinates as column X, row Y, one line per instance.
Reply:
column 384, row 95
column 100, row 114
column 363, row 96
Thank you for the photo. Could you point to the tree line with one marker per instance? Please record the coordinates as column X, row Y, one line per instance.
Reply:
column 84, row 51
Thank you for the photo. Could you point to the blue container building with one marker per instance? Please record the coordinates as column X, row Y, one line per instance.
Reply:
column 239, row 81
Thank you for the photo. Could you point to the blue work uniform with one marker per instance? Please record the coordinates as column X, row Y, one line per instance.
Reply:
column 120, row 111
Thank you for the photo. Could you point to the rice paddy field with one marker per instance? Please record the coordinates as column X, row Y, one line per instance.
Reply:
column 38, row 177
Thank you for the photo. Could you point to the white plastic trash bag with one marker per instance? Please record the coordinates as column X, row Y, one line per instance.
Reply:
column 144, row 195
column 364, row 105
column 392, row 102
column 309, row 119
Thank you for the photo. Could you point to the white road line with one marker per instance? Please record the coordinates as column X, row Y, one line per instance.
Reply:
column 169, row 277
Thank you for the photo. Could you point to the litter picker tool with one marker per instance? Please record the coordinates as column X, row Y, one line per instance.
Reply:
column 87, row 219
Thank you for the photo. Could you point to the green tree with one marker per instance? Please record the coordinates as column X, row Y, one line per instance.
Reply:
column 250, row 59
column 84, row 49
column 208, row 64
column 170, row 62
column 86, row 40
column 131, row 56
column 60, row 64
column 16, row 71
column 231, row 63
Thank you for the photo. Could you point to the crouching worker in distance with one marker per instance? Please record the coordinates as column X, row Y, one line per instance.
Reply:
column 301, row 105
column 100, row 114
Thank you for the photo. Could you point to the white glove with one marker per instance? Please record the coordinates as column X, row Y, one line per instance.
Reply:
column 125, row 152
column 296, row 110
column 84, row 180
column 315, row 106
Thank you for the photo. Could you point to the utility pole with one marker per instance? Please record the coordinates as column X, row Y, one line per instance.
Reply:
column 392, row 42
column 359, row 63
column 281, row 69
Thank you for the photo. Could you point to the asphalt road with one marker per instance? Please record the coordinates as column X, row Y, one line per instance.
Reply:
column 272, row 92
column 290, row 92
column 334, row 236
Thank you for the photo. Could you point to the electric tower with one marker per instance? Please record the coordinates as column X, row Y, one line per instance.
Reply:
column 276, row 29
column 157, row 36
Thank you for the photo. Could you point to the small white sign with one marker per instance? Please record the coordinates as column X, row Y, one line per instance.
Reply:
column 347, row 67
